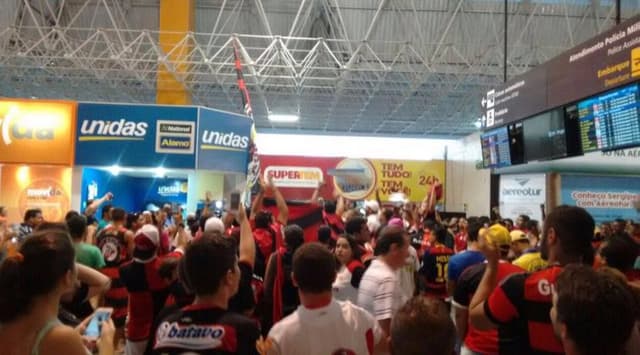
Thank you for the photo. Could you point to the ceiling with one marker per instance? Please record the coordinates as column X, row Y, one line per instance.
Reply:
column 356, row 67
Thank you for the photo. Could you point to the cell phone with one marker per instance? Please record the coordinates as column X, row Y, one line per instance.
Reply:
column 100, row 315
column 234, row 201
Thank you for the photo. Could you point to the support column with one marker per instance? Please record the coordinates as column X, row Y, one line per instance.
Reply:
column 177, row 18
column 199, row 183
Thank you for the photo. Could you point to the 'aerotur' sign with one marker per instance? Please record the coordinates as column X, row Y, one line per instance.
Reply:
column 522, row 194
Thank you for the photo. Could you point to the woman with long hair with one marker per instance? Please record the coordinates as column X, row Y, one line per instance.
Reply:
column 33, row 281
column 351, row 269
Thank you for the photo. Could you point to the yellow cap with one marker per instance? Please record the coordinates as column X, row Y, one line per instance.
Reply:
column 498, row 235
column 518, row 235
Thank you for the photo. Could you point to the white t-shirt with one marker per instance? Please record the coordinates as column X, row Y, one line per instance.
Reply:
column 379, row 292
column 339, row 328
column 406, row 275
column 342, row 288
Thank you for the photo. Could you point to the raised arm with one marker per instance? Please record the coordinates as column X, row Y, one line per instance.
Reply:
column 98, row 283
column 93, row 207
column 489, row 281
column 425, row 204
column 256, row 205
column 316, row 194
column 283, row 210
column 340, row 205
column 247, row 245
column 207, row 202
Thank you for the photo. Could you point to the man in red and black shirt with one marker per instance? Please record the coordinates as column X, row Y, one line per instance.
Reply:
column 210, row 269
column 267, row 229
column 502, row 340
column 523, row 301
column 435, row 264
column 116, row 244
column 147, row 290
column 357, row 227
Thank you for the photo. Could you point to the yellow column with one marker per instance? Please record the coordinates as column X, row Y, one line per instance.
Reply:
column 177, row 17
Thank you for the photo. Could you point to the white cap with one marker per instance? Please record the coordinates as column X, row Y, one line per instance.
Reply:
column 214, row 224
column 373, row 223
column 147, row 238
column 372, row 205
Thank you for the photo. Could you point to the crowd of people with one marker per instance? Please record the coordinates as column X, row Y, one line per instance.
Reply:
column 394, row 278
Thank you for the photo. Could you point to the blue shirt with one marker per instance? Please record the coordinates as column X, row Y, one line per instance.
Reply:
column 461, row 261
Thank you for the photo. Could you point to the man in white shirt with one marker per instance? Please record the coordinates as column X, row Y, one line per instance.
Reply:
column 322, row 325
column 380, row 292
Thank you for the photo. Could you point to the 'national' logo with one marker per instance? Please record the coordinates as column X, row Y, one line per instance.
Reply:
column 215, row 140
column 13, row 126
column 102, row 130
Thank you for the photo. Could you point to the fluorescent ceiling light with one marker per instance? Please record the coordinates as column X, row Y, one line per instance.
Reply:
column 115, row 170
column 160, row 172
column 274, row 117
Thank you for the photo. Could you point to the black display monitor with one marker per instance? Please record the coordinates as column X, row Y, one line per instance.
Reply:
column 496, row 149
column 610, row 120
column 572, row 131
column 516, row 143
column 545, row 136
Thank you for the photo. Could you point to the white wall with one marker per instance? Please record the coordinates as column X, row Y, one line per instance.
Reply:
column 466, row 184
column 352, row 146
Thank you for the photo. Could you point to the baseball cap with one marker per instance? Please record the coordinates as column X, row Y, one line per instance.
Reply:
column 518, row 235
column 498, row 236
column 214, row 224
column 147, row 238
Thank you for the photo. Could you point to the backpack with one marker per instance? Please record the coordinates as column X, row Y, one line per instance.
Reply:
column 113, row 246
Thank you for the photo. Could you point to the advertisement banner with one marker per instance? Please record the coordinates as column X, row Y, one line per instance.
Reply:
column 522, row 194
column 356, row 179
column 36, row 131
column 46, row 188
column 604, row 197
column 136, row 135
column 223, row 141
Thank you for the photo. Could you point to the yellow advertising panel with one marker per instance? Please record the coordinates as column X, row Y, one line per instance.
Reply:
column 37, row 132
column 413, row 178
column 24, row 187
column 358, row 179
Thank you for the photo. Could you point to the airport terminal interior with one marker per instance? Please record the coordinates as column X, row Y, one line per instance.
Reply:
column 320, row 177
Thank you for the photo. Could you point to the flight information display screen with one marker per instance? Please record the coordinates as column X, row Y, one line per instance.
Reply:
column 610, row 120
column 496, row 148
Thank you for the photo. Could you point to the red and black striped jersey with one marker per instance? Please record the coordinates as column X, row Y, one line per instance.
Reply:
column 523, row 302
column 206, row 330
column 495, row 341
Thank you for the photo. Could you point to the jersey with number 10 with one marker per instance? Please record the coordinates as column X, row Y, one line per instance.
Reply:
column 434, row 270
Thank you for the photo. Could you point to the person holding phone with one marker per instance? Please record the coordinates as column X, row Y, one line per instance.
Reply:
column 33, row 279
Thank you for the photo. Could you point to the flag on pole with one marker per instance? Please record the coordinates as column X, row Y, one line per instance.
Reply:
column 253, row 166
column 242, row 86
